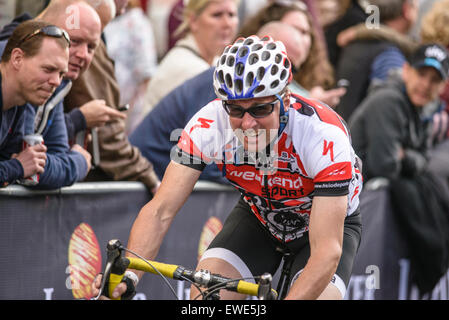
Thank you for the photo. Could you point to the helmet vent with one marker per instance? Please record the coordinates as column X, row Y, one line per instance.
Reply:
column 271, row 46
column 239, row 69
column 239, row 86
column 228, row 80
column 253, row 58
column 260, row 73
column 265, row 55
column 259, row 89
column 230, row 61
column 249, row 79
column 274, row 84
column 243, row 52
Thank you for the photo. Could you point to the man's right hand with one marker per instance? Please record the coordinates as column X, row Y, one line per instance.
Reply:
column 32, row 159
column 85, row 154
column 97, row 113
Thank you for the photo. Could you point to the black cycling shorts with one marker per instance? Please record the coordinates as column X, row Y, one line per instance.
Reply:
column 247, row 245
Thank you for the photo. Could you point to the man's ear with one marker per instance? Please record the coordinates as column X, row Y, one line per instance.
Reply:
column 17, row 57
column 405, row 71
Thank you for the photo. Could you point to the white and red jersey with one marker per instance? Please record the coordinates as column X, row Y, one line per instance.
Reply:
column 312, row 156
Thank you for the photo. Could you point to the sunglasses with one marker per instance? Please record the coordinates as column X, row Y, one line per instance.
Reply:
column 258, row 111
column 50, row 31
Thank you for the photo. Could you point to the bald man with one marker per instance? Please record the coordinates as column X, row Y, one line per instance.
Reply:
column 119, row 159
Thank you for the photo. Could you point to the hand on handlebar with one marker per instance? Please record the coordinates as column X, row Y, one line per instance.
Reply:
column 117, row 293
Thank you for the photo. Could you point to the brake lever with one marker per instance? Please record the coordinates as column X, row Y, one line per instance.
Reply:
column 114, row 251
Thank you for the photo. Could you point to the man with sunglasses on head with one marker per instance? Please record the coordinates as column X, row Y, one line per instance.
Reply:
column 82, row 21
column 292, row 161
column 32, row 66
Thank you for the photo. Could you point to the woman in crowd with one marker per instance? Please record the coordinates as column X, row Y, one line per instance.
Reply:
column 313, row 74
column 208, row 26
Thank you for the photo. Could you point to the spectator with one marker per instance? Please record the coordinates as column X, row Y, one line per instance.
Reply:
column 131, row 45
column 65, row 166
column 160, row 130
column 31, row 68
column 315, row 74
column 118, row 159
column 94, row 113
column 393, row 142
column 434, row 29
column 174, row 21
column 336, row 16
column 207, row 27
column 375, row 59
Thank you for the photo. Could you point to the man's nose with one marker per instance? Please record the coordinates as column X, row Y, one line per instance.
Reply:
column 248, row 121
column 82, row 51
column 55, row 79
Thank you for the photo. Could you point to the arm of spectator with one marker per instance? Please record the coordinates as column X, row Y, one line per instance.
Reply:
column 10, row 171
column 413, row 162
column 87, row 156
column 361, row 32
column 75, row 122
column 120, row 159
column 32, row 159
column 97, row 113
column 64, row 167
column 384, row 152
column 330, row 97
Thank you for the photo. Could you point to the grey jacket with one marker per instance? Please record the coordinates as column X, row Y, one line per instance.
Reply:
column 388, row 133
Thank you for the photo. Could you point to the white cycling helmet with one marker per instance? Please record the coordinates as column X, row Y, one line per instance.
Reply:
column 252, row 68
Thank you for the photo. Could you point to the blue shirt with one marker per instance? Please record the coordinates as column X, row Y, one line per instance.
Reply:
column 11, row 136
column 158, row 133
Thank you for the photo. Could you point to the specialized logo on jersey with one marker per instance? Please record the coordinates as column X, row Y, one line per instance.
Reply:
column 328, row 147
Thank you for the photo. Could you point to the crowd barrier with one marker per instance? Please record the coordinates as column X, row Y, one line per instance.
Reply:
column 52, row 243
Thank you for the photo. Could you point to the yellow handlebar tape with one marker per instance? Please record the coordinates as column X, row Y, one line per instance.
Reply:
column 166, row 269
column 247, row 288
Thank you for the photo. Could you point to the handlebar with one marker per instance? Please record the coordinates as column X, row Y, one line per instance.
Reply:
column 117, row 264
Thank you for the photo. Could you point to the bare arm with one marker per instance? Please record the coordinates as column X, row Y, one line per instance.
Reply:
column 326, row 242
column 156, row 216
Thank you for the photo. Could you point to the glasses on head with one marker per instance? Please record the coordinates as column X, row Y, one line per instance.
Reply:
column 50, row 31
column 258, row 111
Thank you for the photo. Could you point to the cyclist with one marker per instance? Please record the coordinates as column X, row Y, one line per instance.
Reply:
column 291, row 159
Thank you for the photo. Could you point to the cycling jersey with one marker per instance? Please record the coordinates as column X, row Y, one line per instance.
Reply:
column 311, row 156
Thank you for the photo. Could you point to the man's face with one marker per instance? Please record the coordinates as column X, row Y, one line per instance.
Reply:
column 257, row 133
column 84, row 41
column 423, row 85
column 41, row 74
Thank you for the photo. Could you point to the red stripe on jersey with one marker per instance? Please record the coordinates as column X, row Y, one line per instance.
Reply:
column 336, row 172
column 186, row 144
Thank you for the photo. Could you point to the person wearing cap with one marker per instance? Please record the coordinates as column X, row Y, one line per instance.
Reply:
column 292, row 161
column 392, row 136
column 387, row 130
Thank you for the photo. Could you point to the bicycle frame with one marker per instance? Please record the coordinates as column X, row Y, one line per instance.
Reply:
column 117, row 264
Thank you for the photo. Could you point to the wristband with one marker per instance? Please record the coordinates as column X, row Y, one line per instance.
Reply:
column 132, row 276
